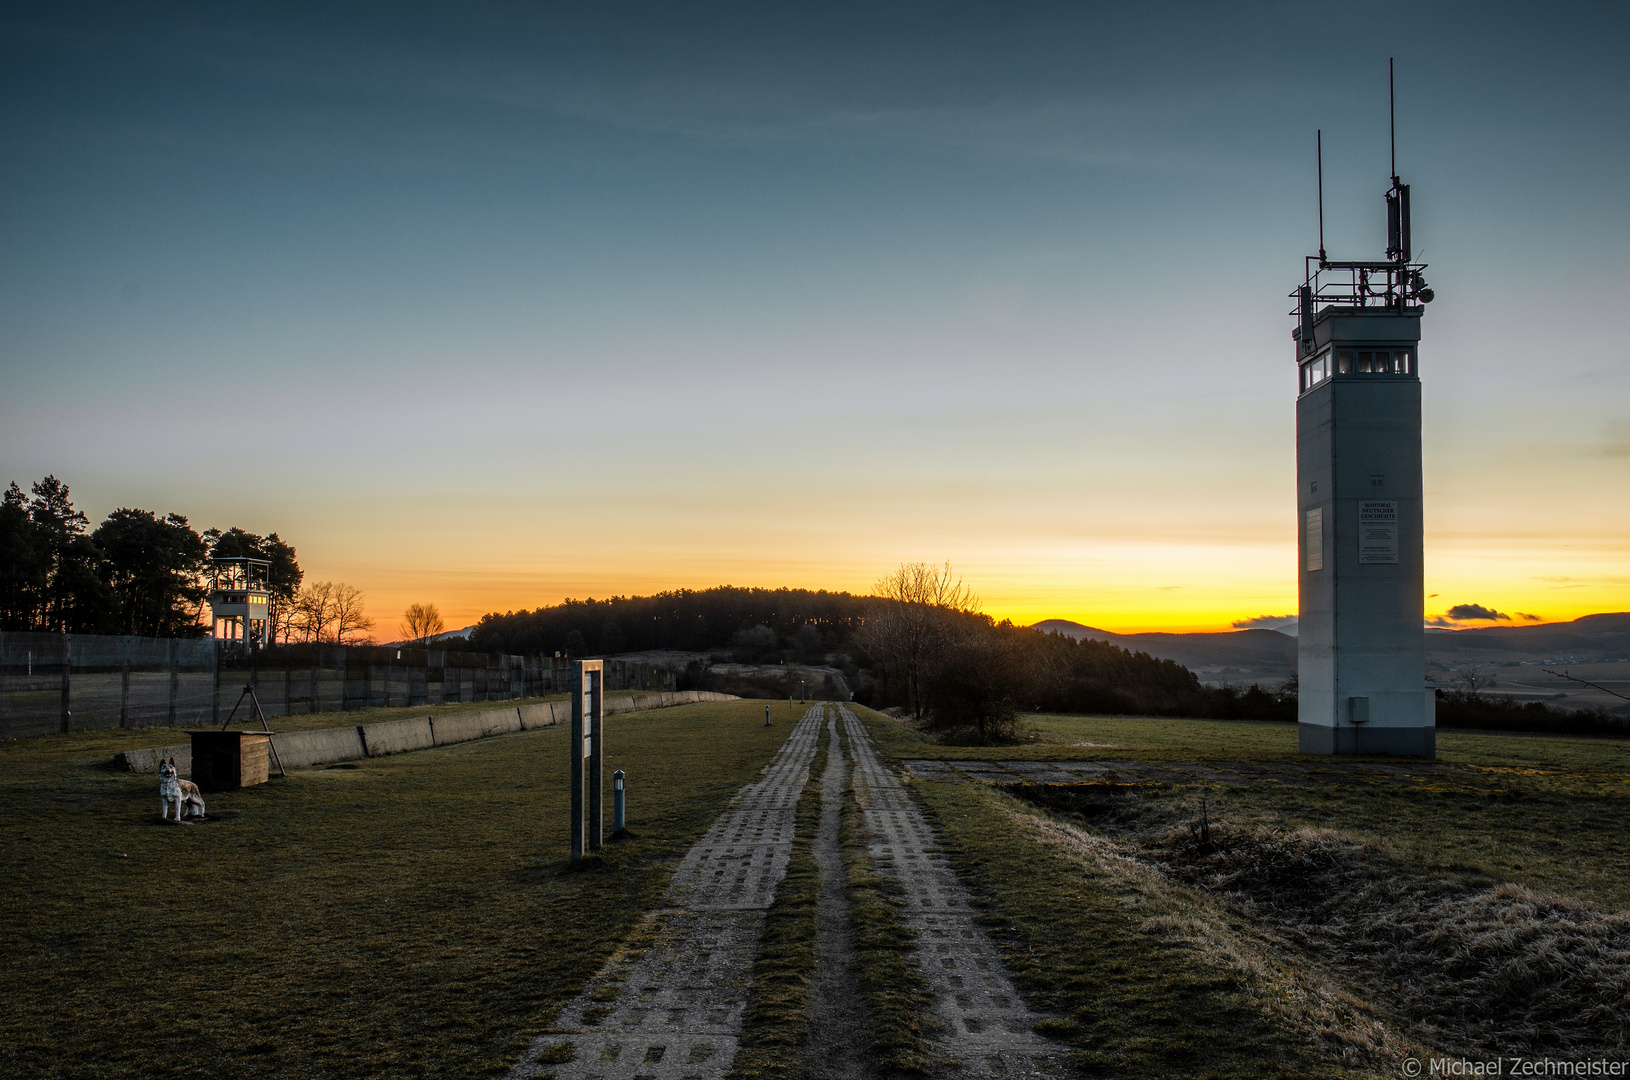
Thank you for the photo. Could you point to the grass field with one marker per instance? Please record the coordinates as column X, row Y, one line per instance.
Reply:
column 402, row 916
column 1334, row 929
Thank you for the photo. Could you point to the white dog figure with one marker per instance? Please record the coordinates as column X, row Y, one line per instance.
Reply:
column 179, row 793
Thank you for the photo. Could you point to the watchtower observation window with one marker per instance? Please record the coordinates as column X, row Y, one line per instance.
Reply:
column 1315, row 371
column 1373, row 361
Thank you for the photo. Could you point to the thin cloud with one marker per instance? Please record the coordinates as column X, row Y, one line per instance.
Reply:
column 1525, row 617
column 1266, row 622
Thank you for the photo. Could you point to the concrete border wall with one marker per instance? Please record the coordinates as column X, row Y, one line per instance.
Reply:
column 146, row 760
column 299, row 748
column 396, row 736
column 320, row 746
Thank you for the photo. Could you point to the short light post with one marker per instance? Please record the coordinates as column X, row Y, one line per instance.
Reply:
column 617, row 803
column 766, row 716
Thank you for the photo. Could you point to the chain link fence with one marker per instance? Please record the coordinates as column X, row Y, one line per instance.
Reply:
column 54, row 683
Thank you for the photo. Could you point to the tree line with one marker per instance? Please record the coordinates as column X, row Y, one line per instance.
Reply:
column 971, row 678
column 758, row 622
column 146, row 574
column 919, row 643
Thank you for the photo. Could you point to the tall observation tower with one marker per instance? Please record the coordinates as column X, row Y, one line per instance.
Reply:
column 1361, row 653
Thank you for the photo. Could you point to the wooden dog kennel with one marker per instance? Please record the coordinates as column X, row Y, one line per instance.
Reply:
column 224, row 760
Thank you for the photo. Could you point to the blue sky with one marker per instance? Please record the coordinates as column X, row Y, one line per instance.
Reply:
column 489, row 305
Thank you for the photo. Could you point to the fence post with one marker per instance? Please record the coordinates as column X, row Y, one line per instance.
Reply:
column 124, row 693
column 215, row 690
column 316, row 673
column 169, row 652
column 67, row 662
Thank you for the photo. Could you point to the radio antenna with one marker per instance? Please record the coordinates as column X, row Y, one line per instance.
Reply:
column 1321, row 195
column 1392, row 121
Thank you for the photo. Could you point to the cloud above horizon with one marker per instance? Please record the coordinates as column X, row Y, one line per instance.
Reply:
column 1476, row 613
column 1465, row 613
column 1264, row 622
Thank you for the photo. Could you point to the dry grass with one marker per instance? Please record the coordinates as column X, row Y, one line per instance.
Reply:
column 1491, row 968
column 1340, row 1027
column 1363, row 919
column 775, row 1023
column 1451, row 957
column 894, row 990
column 403, row 916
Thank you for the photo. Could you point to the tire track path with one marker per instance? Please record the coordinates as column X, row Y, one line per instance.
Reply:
column 840, row 1037
column 668, row 1005
column 983, row 1022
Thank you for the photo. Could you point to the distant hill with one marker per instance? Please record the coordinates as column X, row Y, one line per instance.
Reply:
column 1268, row 656
column 1592, row 638
column 1232, row 656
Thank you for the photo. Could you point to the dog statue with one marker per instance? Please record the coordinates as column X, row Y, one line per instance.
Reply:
column 179, row 793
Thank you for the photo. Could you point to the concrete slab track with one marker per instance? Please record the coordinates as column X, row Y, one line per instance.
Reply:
column 668, row 1006
column 984, row 1023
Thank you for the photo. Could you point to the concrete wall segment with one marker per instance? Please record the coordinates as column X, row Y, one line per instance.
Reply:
column 146, row 759
column 397, row 736
column 296, row 749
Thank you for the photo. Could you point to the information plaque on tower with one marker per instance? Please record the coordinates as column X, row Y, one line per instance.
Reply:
column 1377, row 531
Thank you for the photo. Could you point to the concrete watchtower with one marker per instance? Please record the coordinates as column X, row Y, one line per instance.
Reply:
column 1361, row 652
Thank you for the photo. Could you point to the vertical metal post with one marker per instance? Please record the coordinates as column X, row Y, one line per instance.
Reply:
column 124, row 694
column 575, row 764
column 215, row 690
column 597, row 762
column 170, row 653
column 618, row 804
column 67, row 664
column 586, row 755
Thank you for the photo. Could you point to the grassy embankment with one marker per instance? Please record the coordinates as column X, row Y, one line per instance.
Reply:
column 1330, row 929
column 400, row 916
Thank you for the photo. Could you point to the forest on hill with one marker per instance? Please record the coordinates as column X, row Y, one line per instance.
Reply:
column 919, row 644
column 800, row 623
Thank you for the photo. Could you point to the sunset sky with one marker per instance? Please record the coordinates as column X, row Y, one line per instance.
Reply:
column 492, row 305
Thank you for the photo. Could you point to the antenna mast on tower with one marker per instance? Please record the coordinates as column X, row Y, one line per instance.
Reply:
column 1398, row 194
column 1321, row 196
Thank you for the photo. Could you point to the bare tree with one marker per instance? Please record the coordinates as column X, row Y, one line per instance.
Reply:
column 312, row 613
column 1473, row 682
column 349, row 618
column 420, row 623
column 909, row 629
column 329, row 612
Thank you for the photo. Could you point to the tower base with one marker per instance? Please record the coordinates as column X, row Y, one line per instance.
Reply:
column 1356, row 739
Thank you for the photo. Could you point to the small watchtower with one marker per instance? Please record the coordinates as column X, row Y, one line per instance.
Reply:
column 240, row 602
column 1361, row 643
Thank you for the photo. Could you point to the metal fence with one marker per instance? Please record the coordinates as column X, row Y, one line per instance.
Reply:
column 52, row 683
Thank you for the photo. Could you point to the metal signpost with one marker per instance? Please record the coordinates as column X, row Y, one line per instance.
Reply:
column 588, row 755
